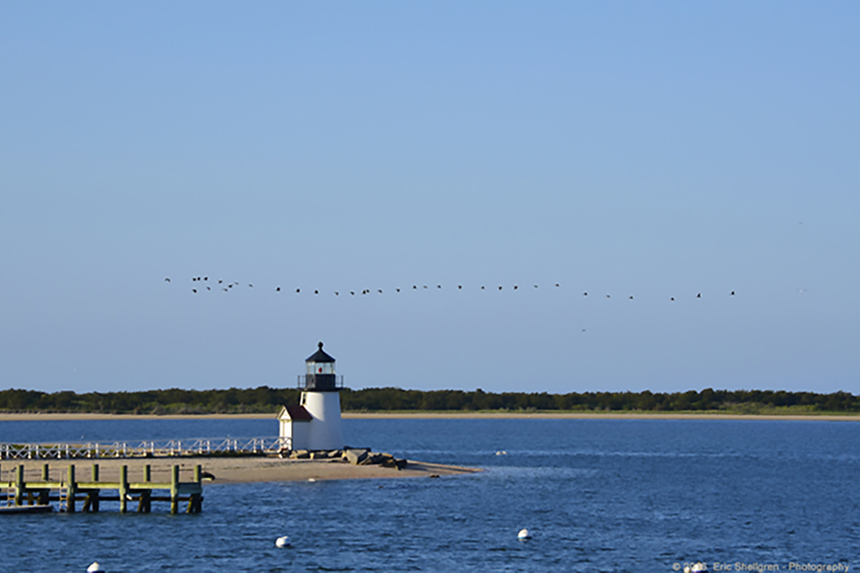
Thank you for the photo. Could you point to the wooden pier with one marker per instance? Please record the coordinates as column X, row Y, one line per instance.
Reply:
column 68, row 492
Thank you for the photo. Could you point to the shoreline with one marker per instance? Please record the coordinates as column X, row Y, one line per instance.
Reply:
column 30, row 417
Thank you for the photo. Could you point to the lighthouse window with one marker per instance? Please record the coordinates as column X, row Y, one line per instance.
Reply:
column 320, row 368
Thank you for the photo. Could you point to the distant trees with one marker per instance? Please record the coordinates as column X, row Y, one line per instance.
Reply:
column 268, row 400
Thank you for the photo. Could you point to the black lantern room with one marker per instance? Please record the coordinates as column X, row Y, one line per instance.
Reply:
column 320, row 375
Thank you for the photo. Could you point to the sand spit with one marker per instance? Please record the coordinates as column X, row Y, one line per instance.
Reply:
column 234, row 469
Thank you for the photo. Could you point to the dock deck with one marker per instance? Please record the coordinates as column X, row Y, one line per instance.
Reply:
column 68, row 491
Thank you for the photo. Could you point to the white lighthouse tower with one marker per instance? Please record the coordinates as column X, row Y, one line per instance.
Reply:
column 315, row 423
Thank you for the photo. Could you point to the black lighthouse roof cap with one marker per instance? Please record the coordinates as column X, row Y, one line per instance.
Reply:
column 320, row 356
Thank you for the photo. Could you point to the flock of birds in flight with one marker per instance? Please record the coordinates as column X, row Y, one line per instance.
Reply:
column 202, row 284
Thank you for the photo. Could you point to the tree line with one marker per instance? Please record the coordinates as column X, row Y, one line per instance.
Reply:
column 269, row 400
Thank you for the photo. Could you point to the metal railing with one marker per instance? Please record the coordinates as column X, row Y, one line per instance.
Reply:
column 140, row 449
column 303, row 383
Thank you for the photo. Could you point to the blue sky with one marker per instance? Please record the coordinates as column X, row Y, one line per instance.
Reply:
column 652, row 150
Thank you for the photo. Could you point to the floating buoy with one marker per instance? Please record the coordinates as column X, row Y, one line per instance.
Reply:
column 95, row 568
column 282, row 541
column 524, row 534
column 312, row 480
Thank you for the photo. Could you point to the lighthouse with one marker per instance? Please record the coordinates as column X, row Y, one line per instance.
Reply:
column 314, row 424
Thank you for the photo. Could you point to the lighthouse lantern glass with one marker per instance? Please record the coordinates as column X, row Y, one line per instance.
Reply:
column 320, row 367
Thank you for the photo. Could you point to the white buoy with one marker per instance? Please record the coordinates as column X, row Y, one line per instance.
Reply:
column 312, row 480
column 95, row 568
column 524, row 535
column 282, row 541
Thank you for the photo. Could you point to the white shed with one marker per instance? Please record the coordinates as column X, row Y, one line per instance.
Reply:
column 295, row 424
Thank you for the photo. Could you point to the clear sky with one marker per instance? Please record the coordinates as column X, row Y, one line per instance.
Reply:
column 647, row 149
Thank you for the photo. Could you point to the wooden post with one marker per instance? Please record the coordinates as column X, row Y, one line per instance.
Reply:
column 174, row 490
column 123, row 488
column 72, row 488
column 144, row 503
column 19, row 484
column 194, row 500
column 94, row 495
column 44, row 494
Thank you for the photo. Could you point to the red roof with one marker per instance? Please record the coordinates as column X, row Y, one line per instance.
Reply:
column 298, row 413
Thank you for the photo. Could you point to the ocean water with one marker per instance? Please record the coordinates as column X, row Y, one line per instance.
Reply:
column 597, row 495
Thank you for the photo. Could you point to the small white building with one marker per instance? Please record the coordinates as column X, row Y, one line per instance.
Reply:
column 314, row 424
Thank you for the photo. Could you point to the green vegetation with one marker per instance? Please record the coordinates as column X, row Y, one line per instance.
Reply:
column 269, row 400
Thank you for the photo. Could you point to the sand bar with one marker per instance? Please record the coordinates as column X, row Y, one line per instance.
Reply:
column 239, row 469
column 24, row 417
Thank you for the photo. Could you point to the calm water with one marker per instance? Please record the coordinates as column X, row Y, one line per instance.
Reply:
column 598, row 495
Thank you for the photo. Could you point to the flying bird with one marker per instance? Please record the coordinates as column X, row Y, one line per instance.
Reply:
column 194, row 290
column 278, row 289
column 699, row 295
column 733, row 293
column 167, row 279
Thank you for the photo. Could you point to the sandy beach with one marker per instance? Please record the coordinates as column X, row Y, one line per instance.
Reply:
column 239, row 469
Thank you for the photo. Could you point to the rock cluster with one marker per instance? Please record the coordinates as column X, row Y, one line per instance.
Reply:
column 355, row 456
